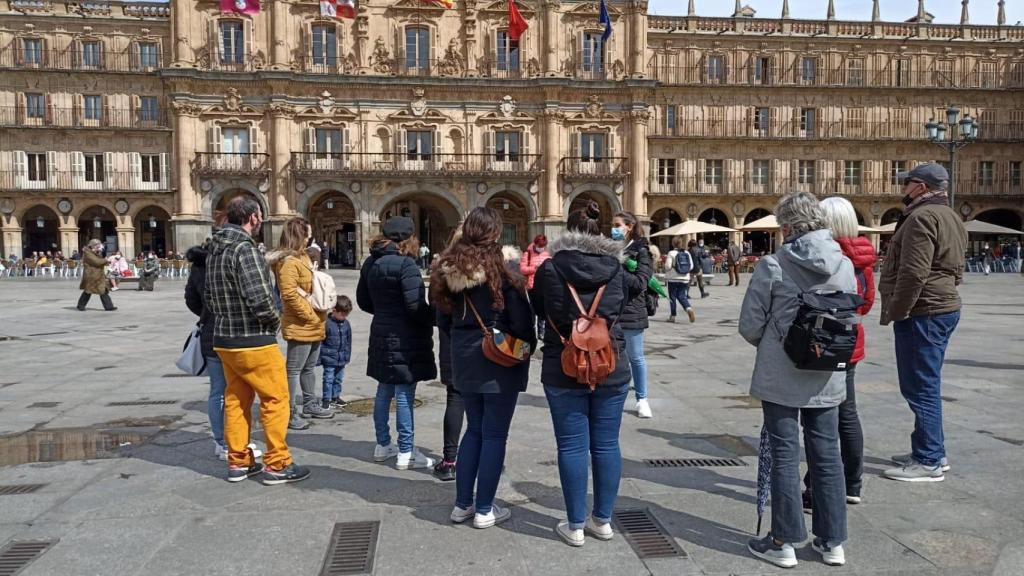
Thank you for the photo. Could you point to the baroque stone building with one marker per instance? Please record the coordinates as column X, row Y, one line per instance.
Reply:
column 137, row 122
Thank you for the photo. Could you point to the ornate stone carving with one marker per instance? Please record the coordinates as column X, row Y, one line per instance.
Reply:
column 640, row 116
column 349, row 64
column 232, row 100
column 618, row 70
column 418, row 106
column 532, row 67
column 381, row 59
column 594, row 107
column 326, row 102
column 569, row 67
column 259, row 60
column 203, row 59
column 186, row 108
column 507, row 106
column 553, row 114
column 451, row 63
column 282, row 110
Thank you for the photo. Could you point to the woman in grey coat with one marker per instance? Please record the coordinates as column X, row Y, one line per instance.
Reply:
column 791, row 396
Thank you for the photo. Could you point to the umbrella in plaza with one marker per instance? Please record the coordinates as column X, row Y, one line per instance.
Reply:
column 979, row 227
column 764, row 475
column 868, row 230
column 767, row 223
column 887, row 228
column 692, row 227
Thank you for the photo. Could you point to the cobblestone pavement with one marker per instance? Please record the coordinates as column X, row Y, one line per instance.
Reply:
column 157, row 502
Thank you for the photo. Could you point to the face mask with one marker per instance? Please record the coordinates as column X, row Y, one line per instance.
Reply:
column 907, row 200
column 618, row 234
column 701, row 243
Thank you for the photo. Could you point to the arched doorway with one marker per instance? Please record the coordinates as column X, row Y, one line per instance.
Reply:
column 434, row 218
column 100, row 223
column 515, row 219
column 891, row 215
column 607, row 211
column 39, row 231
column 333, row 219
column 715, row 239
column 226, row 198
column 662, row 219
column 999, row 217
column 152, row 231
column 760, row 240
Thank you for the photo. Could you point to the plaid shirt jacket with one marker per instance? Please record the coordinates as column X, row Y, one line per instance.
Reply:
column 239, row 293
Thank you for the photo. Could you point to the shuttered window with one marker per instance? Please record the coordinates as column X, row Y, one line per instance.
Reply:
column 150, row 167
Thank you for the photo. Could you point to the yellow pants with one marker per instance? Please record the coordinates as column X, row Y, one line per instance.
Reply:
column 252, row 371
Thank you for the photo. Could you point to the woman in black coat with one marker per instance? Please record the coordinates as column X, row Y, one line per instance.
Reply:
column 401, row 351
column 194, row 290
column 474, row 290
column 626, row 229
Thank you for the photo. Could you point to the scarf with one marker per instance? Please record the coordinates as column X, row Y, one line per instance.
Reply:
column 924, row 198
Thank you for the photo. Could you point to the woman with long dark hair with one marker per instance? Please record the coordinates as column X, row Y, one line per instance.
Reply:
column 628, row 230
column 477, row 291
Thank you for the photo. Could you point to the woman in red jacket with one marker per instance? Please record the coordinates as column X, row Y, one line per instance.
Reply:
column 842, row 220
column 531, row 261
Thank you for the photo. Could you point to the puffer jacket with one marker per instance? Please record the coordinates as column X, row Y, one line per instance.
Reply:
column 862, row 254
column 299, row 321
column 94, row 281
column 336, row 349
column 238, row 291
column 587, row 262
column 635, row 316
column 769, row 308
column 401, row 347
column 195, row 290
column 530, row 262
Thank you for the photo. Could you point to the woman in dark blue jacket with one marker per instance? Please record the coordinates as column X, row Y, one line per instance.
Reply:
column 474, row 290
column 401, row 351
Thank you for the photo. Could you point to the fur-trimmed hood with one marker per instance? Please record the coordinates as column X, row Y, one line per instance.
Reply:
column 588, row 244
column 460, row 281
column 586, row 261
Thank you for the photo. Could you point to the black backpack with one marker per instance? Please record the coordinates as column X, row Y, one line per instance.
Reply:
column 823, row 335
column 683, row 263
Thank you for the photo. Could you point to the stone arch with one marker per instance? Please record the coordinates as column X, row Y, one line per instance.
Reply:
column 83, row 207
column 760, row 240
column 215, row 195
column 714, row 215
column 891, row 215
column 661, row 219
column 35, row 238
column 336, row 220
column 518, row 190
column 1002, row 217
column 148, row 237
column 315, row 192
column 515, row 218
column 108, row 222
column 414, row 189
column 434, row 210
column 600, row 193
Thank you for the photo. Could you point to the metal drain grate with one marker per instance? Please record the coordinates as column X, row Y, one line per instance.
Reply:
column 694, row 462
column 16, row 489
column 17, row 555
column 352, row 550
column 44, row 405
column 145, row 403
column 646, row 535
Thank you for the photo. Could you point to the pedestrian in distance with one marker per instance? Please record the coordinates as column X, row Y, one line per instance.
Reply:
column 94, row 280
column 336, row 353
column 698, row 253
column 534, row 256
column 733, row 255
column 634, row 320
column 677, row 273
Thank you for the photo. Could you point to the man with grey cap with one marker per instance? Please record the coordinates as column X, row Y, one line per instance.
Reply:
column 918, row 285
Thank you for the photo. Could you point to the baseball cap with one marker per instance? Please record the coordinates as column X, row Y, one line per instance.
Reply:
column 933, row 175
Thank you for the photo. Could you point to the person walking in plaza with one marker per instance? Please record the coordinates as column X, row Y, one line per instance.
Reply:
column 678, row 268
column 336, row 353
column 303, row 327
column 1015, row 255
column 94, row 279
column 424, row 257
column 697, row 254
column 790, row 396
column 918, row 287
column 733, row 255
column 238, row 293
column 626, row 229
column 536, row 254
column 842, row 221
column 987, row 257
column 476, row 291
column 401, row 346
column 586, row 422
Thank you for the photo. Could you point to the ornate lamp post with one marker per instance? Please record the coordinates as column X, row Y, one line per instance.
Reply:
column 961, row 133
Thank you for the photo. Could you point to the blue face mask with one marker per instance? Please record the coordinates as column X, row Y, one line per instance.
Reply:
column 618, row 234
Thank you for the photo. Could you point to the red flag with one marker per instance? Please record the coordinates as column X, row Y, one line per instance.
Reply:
column 516, row 23
column 249, row 7
column 347, row 9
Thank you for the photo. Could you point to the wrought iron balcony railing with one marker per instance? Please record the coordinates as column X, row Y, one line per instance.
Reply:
column 81, row 117
column 580, row 168
column 241, row 163
column 74, row 58
column 505, row 165
column 85, row 181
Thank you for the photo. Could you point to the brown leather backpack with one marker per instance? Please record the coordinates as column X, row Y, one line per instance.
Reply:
column 589, row 355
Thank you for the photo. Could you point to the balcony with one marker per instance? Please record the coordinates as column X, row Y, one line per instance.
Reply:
column 239, row 63
column 231, row 163
column 370, row 164
column 77, row 118
column 82, row 181
column 580, row 168
column 72, row 59
column 795, row 130
column 697, row 75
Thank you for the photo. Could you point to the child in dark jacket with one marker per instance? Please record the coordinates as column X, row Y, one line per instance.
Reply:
column 336, row 352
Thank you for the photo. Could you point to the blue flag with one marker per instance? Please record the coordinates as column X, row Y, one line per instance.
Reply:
column 607, row 21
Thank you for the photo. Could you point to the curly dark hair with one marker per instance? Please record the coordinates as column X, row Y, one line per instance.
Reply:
column 476, row 248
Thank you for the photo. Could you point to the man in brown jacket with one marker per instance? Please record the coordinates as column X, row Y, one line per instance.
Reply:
column 94, row 281
column 919, row 283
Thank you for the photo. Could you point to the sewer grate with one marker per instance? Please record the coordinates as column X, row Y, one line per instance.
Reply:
column 693, row 462
column 646, row 535
column 16, row 489
column 145, row 403
column 364, row 406
column 352, row 549
column 18, row 554
column 44, row 405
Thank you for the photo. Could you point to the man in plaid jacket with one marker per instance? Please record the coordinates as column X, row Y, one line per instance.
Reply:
column 239, row 294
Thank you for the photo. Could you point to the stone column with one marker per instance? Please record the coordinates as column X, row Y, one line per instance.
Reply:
column 551, row 196
column 282, row 115
column 549, row 9
column 636, row 193
column 186, row 122
column 362, row 36
column 126, row 239
column 69, row 237
column 469, row 29
column 12, row 241
column 638, row 38
column 183, row 55
column 280, row 28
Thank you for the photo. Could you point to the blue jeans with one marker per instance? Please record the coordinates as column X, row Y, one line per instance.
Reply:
column 828, row 486
column 678, row 291
column 215, row 403
column 587, row 425
column 920, row 350
column 637, row 361
column 333, row 377
column 404, row 394
column 482, row 450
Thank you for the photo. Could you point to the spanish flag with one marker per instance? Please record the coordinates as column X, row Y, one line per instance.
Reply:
column 446, row 4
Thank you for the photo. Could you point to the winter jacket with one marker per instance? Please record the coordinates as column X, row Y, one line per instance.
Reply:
column 94, row 281
column 336, row 349
column 299, row 321
column 635, row 316
column 733, row 254
column 238, row 291
column 472, row 372
column 769, row 308
column 587, row 262
column 861, row 253
column 924, row 265
column 401, row 335
column 195, row 290
column 670, row 268
column 530, row 262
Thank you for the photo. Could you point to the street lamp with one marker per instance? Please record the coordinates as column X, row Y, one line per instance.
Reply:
column 967, row 133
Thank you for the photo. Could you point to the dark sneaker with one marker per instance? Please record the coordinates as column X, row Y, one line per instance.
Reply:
column 338, row 403
column 445, row 471
column 239, row 473
column 782, row 555
column 297, row 423
column 315, row 410
column 808, row 501
column 290, row 473
column 831, row 553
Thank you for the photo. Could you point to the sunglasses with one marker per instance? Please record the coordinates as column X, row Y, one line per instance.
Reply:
column 913, row 181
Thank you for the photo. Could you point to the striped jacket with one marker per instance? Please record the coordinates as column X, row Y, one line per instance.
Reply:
column 239, row 293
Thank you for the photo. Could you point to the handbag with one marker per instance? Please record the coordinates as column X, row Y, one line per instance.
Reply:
column 502, row 349
column 192, row 361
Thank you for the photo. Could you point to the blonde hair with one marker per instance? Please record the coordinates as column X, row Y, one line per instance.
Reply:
column 841, row 217
column 294, row 235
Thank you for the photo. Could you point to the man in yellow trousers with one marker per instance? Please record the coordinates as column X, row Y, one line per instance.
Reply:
column 238, row 292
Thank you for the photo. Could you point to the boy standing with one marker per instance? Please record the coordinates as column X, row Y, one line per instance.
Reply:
column 336, row 352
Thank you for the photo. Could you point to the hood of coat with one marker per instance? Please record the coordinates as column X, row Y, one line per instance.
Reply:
column 462, row 280
column 586, row 261
column 276, row 257
column 381, row 250
column 228, row 236
column 859, row 250
column 197, row 256
column 814, row 255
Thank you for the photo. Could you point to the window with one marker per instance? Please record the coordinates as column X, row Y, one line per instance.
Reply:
column 149, row 57
column 806, row 172
column 150, row 167
column 328, row 142
column 325, row 45
column 762, row 70
column 855, row 122
column 762, row 121
column 508, row 52
column 852, row 170
column 506, row 146
column 92, row 105
column 809, row 70
column 713, row 172
column 33, row 51
column 671, row 119
column 667, row 171
column 855, row 72
column 808, row 122
column 986, row 74
column 92, row 54
column 896, row 167
column 149, row 109
column 234, row 141
column 36, row 167
column 420, row 144
column 902, row 72
column 593, row 52
column 93, row 167
column 35, row 106
column 944, row 73
column 1015, row 174
column 417, row 49
column 232, row 43
column 592, row 147
column 986, row 173
column 761, row 172
column 716, row 69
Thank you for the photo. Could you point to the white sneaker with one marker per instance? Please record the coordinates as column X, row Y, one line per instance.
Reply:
column 497, row 515
column 597, row 530
column 831, row 554
column 220, row 452
column 256, row 452
column 643, row 409
column 413, row 460
column 460, row 515
column 571, row 537
column 384, row 453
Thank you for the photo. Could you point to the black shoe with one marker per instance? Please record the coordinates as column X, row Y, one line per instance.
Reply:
column 445, row 471
column 808, row 501
column 81, row 308
column 290, row 473
column 239, row 473
column 110, row 309
column 338, row 404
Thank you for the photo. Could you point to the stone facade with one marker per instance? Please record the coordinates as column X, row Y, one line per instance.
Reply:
column 412, row 109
